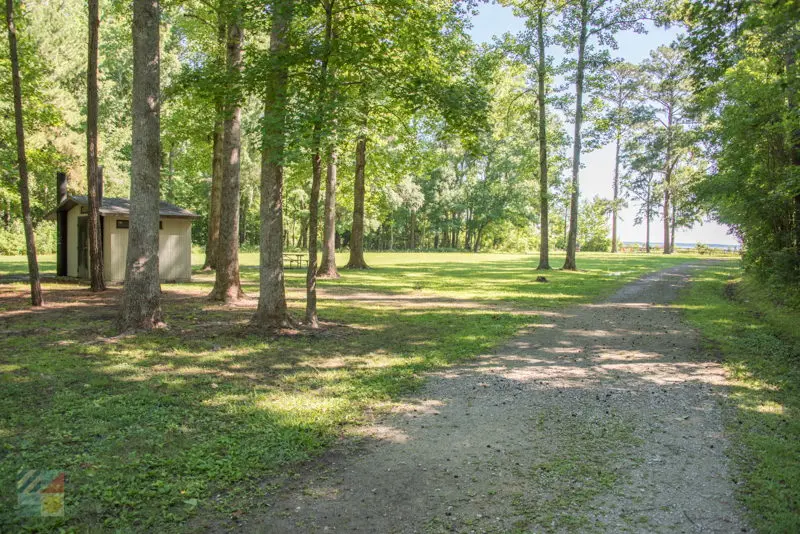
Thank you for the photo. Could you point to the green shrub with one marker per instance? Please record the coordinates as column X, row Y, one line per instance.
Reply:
column 12, row 239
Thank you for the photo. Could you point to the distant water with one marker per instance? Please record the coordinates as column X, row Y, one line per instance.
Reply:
column 717, row 246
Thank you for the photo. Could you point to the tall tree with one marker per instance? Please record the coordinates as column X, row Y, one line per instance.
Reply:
column 584, row 20
column 357, row 260
column 215, row 199
column 536, row 39
column 272, row 310
column 141, row 300
column 544, row 184
column 227, row 285
column 668, row 86
column 624, row 111
column 95, row 237
column 22, row 160
column 319, row 121
column 643, row 159
column 327, row 266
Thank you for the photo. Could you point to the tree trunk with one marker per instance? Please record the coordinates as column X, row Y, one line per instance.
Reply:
column 22, row 161
column 313, row 230
column 212, row 243
column 215, row 200
column 327, row 267
column 478, row 239
column 666, row 214
column 667, row 182
column 7, row 215
column 672, row 229
column 572, row 237
column 304, row 233
column 647, row 222
column 413, row 224
column 245, row 209
column 544, row 186
column 227, row 286
column 614, row 206
column 141, row 299
column 316, row 171
column 359, row 189
column 272, row 310
column 95, row 237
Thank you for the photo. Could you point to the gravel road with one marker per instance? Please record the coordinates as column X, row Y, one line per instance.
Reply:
column 600, row 418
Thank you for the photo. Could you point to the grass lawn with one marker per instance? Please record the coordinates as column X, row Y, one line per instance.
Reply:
column 760, row 345
column 155, row 428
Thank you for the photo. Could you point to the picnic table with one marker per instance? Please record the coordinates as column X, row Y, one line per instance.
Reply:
column 295, row 259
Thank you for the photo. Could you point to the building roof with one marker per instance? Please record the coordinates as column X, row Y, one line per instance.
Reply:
column 121, row 206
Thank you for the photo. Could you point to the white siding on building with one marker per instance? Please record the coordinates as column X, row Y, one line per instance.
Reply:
column 174, row 250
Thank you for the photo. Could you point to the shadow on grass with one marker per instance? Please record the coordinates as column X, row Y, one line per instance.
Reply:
column 149, row 426
column 764, row 405
column 557, row 420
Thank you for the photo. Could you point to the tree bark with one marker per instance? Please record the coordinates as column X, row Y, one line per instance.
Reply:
column 327, row 267
column 227, row 286
column 647, row 221
column 359, row 189
column 22, row 161
column 614, row 206
column 413, row 238
column 667, row 182
column 672, row 229
column 478, row 239
column 304, row 233
column 544, row 185
column 215, row 200
column 272, row 311
column 141, row 299
column 212, row 243
column 95, row 237
column 572, row 237
column 316, row 171
column 313, row 230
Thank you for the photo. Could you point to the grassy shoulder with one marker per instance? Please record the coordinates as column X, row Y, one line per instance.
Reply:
column 155, row 428
column 760, row 344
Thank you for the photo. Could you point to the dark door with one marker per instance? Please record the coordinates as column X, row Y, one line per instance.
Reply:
column 83, row 247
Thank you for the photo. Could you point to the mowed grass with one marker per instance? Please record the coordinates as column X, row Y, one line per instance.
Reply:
column 760, row 346
column 155, row 428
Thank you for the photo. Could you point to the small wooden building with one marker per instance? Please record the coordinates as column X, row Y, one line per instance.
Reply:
column 71, row 214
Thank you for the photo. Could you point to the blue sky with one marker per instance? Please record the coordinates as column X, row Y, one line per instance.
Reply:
column 596, row 176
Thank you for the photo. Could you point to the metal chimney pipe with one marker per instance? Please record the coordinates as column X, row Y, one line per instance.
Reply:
column 61, row 188
column 61, row 225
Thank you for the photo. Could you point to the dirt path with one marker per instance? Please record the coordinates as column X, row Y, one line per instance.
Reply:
column 603, row 418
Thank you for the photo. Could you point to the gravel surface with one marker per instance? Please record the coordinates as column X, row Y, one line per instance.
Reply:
column 602, row 418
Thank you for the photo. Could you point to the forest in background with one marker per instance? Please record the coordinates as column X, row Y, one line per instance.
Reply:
column 453, row 145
